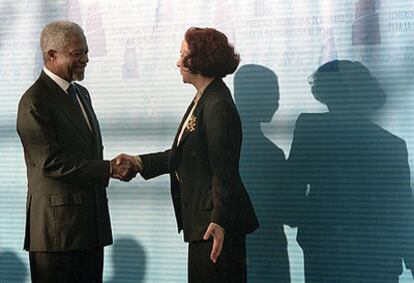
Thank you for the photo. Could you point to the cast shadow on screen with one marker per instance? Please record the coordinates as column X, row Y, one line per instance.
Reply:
column 12, row 268
column 355, row 215
column 128, row 261
column 262, row 165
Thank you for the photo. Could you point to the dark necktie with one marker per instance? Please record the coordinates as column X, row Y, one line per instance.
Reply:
column 72, row 94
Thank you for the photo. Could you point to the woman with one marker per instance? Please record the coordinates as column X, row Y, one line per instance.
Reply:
column 355, row 219
column 211, row 204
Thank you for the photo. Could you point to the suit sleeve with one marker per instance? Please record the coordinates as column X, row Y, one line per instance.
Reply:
column 36, row 130
column 223, row 139
column 155, row 164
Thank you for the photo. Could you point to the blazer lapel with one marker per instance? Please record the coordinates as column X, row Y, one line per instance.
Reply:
column 173, row 153
column 181, row 124
column 194, row 115
column 197, row 111
column 62, row 102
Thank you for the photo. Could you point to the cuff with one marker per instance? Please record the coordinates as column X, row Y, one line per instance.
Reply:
column 138, row 162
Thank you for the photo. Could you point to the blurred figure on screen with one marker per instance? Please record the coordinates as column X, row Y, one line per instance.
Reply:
column 355, row 215
column 211, row 204
column 262, row 168
column 67, row 219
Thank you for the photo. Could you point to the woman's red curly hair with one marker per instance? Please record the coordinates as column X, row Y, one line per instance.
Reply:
column 211, row 54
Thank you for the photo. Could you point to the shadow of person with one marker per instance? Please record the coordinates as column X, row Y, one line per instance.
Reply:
column 256, row 93
column 12, row 268
column 356, row 212
column 129, row 261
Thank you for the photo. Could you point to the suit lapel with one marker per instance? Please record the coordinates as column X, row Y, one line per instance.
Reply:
column 62, row 102
column 92, row 120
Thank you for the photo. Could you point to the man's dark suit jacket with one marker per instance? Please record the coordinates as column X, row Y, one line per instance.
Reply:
column 357, row 205
column 67, row 206
column 204, row 169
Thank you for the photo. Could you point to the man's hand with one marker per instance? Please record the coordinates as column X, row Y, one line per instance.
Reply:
column 124, row 167
column 217, row 232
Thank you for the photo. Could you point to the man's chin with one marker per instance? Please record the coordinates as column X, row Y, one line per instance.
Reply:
column 79, row 77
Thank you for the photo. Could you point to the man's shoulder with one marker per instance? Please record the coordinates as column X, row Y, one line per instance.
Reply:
column 35, row 92
column 82, row 90
column 80, row 87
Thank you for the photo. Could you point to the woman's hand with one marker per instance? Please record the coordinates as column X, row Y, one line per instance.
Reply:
column 217, row 232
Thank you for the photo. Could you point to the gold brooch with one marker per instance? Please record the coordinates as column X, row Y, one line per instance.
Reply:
column 191, row 124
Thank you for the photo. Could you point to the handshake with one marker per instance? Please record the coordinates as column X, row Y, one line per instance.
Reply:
column 125, row 167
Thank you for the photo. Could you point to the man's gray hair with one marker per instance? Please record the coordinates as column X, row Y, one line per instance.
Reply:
column 56, row 35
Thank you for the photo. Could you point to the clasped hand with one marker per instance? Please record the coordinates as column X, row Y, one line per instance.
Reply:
column 124, row 167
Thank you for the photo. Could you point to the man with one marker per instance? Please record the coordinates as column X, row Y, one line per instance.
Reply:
column 67, row 220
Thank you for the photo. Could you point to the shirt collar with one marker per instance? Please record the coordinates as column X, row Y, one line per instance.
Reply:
column 58, row 80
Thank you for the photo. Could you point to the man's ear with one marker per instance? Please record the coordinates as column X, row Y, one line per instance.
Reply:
column 51, row 55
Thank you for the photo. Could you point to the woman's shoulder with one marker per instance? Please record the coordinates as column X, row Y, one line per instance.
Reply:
column 217, row 92
column 217, row 86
